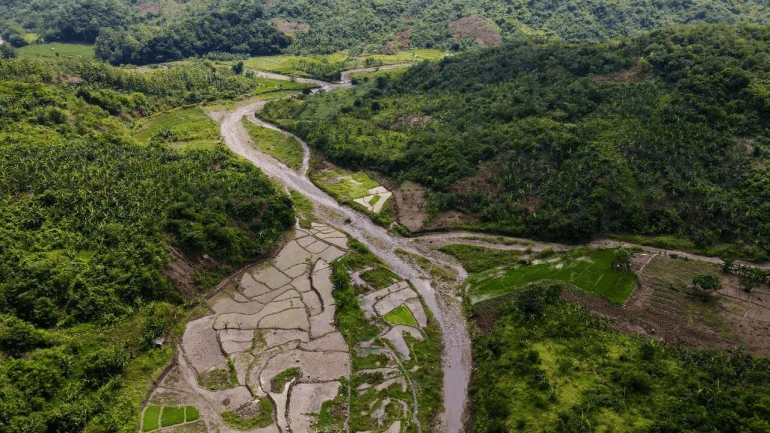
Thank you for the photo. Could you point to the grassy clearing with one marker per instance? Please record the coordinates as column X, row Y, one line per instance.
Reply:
column 277, row 383
column 191, row 413
column 172, row 416
column 150, row 418
column 344, row 185
column 379, row 277
column 36, row 51
column 188, row 128
column 262, row 417
column 478, row 259
column 305, row 65
column 304, row 209
column 437, row 272
column 588, row 270
column 678, row 272
column 401, row 316
column 270, row 87
column 359, row 256
column 280, row 146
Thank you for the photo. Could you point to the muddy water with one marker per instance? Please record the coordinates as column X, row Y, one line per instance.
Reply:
column 446, row 309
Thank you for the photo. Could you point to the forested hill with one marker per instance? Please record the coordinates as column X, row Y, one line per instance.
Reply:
column 140, row 32
column 89, row 220
column 458, row 24
column 666, row 133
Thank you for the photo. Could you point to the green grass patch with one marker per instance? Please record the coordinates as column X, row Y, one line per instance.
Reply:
column 401, row 316
column 373, row 201
column 277, row 383
column 261, row 417
column 191, row 413
column 172, row 416
column 217, row 380
column 188, row 128
column 344, row 185
column 36, row 51
column 478, row 259
column 280, row 146
column 151, row 418
column 303, row 208
column 587, row 270
column 379, row 277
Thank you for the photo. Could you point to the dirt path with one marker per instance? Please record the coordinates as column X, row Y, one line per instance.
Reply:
column 445, row 308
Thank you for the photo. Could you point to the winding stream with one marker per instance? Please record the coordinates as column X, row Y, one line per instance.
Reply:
column 446, row 309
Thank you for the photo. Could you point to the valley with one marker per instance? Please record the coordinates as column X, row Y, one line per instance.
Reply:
column 291, row 216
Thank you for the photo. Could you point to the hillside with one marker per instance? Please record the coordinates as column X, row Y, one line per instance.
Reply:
column 142, row 32
column 662, row 134
column 92, row 222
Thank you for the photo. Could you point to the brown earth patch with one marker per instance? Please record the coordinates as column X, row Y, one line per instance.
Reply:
column 633, row 75
column 409, row 122
column 663, row 308
column 409, row 205
column 289, row 27
column 148, row 8
column 389, row 47
column 403, row 38
column 484, row 180
column 181, row 269
column 476, row 27
column 68, row 79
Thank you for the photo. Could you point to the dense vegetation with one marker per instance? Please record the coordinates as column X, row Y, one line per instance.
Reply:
column 66, row 21
column 337, row 24
column 551, row 366
column 88, row 219
column 232, row 27
column 138, row 32
column 665, row 133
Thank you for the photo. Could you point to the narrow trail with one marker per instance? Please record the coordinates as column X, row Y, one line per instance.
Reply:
column 446, row 309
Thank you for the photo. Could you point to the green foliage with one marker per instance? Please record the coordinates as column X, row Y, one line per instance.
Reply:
column 349, row 317
column 8, row 52
column 263, row 418
column 191, row 413
column 277, row 383
column 304, row 209
column 89, row 218
column 564, row 370
column 379, row 277
column 56, row 50
column 188, row 128
column 233, row 27
column 280, row 146
column 401, row 316
column 587, row 270
column 171, row 416
column 478, row 259
column 566, row 142
column 709, row 282
column 150, row 418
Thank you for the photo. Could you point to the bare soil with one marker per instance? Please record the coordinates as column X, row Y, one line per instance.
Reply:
column 476, row 27
column 289, row 27
column 663, row 309
column 633, row 75
column 403, row 38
